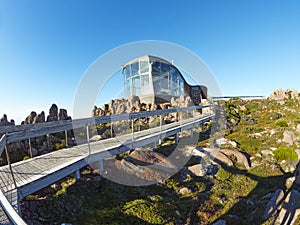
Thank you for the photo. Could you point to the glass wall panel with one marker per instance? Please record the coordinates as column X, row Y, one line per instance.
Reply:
column 156, row 83
column 127, row 72
column 145, row 80
column 156, row 67
column 174, row 84
column 136, row 86
column 181, row 86
column 164, row 87
column 165, row 71
column 134, row 68
column 144, row 66
column 165, row 68
column 127, row 87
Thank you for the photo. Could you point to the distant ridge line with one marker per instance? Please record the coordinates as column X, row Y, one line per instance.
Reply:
column 220, row 97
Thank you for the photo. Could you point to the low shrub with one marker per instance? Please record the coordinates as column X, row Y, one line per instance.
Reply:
column 285, row 153
column 252, row 106
column 172, row 184
column 26, row 157
column 281, row 123
column 61, row 145
column 144, row 210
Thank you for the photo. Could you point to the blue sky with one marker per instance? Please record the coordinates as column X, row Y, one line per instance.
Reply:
column 252, row 47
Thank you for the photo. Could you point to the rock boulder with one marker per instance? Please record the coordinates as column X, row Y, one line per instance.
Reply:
column 289, row 137
column 40, row 118
column 53, row 113
column 29, row 119
column 241, row 158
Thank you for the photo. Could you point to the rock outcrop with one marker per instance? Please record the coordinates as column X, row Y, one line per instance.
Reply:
column 280, row 94
column 53, row 113
column 147, row 165
column 240, row 157
column 4, row 121
column 201, row 170
column 29, row 119
column 40, row 118
column 63, row 115
column 289, row 137
column 133, row 104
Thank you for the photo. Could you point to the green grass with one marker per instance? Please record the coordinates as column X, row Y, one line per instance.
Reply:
column 285, row 153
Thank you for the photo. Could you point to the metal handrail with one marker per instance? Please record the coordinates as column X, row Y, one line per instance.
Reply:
column 78, row 123
column 10, row 212
column 22, row 132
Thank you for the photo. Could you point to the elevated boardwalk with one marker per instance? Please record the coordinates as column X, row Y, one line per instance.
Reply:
column 20, row 179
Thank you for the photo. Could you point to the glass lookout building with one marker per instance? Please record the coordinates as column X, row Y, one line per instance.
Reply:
column 154, row 79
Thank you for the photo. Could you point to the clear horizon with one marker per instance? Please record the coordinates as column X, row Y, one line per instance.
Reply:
column 252, row 47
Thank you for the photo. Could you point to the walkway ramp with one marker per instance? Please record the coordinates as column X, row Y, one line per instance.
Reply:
column 26, row 177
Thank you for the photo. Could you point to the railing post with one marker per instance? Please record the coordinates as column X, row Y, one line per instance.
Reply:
column 30, row 148
column 66, row 136
column 139, row 124
column 48, row 140
column 192, row 131
column 111, row 129
column 160, row 128
column 132, row 132
column 193, row 116
column 9, row 165
column 88, row 137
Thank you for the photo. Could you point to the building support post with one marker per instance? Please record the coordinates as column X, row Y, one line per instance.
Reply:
column 176, row 138
column 192, row 133
column 154, row 145
column 77, row 174
column 202, row 127
column 100, row 166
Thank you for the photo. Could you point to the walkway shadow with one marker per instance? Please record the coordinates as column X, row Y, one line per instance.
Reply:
column 247, row 212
